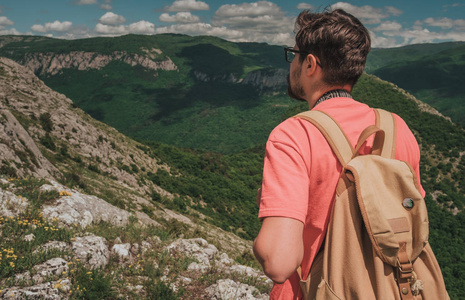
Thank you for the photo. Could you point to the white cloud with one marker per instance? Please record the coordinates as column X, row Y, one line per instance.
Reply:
column 4, row 21
column 86, row 2
column 235, row 35
column 106, row 6
column 445, row 23
column 453, row 5
column 254, row 9
column 187, row 5
column 393, row 11
column 54, row 26
column 258, row 16
column 368, row 14
column 11, row 31
column 180, row 17
column 455, row 36
column 388, row 26
column 382, row 42
column 303, row 6
column 110, row 30
column 418, row 36
column 261, row 21
column 110, row 18
column 142, row 27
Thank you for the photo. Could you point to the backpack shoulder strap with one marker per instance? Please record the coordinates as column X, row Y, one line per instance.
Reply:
column 332, row 132
column 385, row 120
column 384, row 144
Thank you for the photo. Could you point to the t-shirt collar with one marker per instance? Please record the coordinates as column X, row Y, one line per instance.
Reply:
column 333, row 94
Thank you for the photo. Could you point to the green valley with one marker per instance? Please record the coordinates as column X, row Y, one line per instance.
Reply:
column 203, row 107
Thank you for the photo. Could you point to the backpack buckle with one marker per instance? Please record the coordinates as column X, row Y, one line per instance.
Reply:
column 406, row 267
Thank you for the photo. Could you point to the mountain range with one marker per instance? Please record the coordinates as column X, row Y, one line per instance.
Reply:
column 433, row 73
column 171, row 125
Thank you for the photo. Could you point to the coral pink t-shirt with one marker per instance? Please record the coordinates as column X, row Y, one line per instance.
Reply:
column 301, row 172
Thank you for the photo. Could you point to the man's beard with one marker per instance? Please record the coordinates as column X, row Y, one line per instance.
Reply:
column 295, row 91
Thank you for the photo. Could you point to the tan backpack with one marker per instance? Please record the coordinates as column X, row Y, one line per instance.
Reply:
column 376, row 245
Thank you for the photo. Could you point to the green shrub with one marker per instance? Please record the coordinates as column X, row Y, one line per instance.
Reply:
column 47, row 141
column 46, row 122
column 91, row 284
column 159, row 290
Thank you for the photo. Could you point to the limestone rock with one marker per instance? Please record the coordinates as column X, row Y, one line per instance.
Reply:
column 223, row 260
column 244, row 270
column 197, row 248
column 14, row 139
column 55, row 267
column 83, row 138
column 29, row 237
column 54, row 290
column 228, row 289
column 122, row 251
column 80, row 209
column 53, row 63
column 12, row 205
column 52, row 267
column 268, row 78
column 52, row 245
column 145, row 247
column 91, row 250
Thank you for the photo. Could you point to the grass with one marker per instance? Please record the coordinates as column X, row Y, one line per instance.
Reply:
column 149, row 273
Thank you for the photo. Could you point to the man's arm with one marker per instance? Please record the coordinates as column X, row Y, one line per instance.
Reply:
column 279, row 247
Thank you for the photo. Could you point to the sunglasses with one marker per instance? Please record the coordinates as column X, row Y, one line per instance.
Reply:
column 289, row 54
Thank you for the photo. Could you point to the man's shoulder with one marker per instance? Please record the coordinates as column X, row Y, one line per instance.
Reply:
column 292, row 129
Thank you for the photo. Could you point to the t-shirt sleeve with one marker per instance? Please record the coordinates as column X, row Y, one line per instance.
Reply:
column 285, row 175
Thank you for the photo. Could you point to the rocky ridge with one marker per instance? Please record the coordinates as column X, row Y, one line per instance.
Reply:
column 95, row 181
column 53, row 63
column 261, row 79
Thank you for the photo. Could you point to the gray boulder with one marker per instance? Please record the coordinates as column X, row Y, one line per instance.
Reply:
column 91, row 250
column 75, row 208
column 227, row 289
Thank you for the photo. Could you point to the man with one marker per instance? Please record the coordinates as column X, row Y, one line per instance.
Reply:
column 301, row 171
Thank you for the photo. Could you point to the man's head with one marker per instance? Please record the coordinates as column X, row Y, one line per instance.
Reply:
column 338, row 40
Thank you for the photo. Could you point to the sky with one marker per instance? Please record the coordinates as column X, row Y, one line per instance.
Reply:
column 391, row 23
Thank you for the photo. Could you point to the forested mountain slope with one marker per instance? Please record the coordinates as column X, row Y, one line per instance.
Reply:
column 81, row 218
column 218, row 101
column 199, row 92
column 434, row 73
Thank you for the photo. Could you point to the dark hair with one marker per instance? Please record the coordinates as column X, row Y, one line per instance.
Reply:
column 338, row 39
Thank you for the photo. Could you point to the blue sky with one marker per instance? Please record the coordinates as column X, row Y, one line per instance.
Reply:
column 391, row 23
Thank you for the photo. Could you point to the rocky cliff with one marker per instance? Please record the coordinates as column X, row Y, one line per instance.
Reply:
column 267, row 78
column 53, row 63
column 77, row 217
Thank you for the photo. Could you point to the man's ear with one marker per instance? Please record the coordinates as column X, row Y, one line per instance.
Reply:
column 310, row 64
